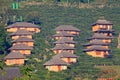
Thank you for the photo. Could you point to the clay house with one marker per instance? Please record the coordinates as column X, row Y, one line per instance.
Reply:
column 14, row 58
column 65, row 41
column 103, row 26
column 23, row 25
column 21, row 33
column 23, row 40
column 62, row 34
column 10, row 73
column 67, row 57
column 60, row 48
column 55, row 65
column 22, row 48
column 96, row 42
column 101, row 36
column 68, row 28
column 97, row 51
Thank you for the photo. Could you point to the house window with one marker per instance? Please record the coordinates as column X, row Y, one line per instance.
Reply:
column 11, row 61
column 64, row 67
column 98, row 52
column 71, row 51
column 73, row 59
column 101, row 26
column 57, row 51
column 106, row 41
column 69, row 60
column 108, row 27
column 17, row 61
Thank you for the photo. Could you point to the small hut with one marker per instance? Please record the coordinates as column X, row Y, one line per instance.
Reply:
column 101, row 36
column 65, row 41
column 21, row 33
column 68, row 28
column 22, row 48
column 60, row 48
column 103, row 26
column 55, row 65
column 23, row 40
column 67, row 57
column 96, row 42
column 62, row 34
column 14, row 58
column 23, row 25
column 97, row 51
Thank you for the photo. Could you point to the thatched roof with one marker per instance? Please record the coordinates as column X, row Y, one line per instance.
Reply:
column 103, row 22
column 105, row 31
column 10, row 73
column 96, row 48
column 63, row 34
column 65, row 54
column 55, row 62
column 20, row 47
column 96, row 42
column 21, row 32
column 63, row 47
column 14, row 55
column 66, row 28
column 23, row 39
column 100, row 36
column 64, row 40
column 22, row 24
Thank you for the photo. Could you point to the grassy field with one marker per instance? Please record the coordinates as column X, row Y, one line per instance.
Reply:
column 116, row 68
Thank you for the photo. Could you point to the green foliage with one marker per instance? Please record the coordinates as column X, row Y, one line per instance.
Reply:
column 3, row 43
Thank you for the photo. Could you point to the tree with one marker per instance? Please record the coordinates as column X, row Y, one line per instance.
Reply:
column 3, row 43
column 48, row 76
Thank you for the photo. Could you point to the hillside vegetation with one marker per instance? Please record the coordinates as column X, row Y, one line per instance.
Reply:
column 52, row 15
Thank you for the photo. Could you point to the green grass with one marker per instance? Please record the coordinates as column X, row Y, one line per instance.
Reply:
column 116, row 68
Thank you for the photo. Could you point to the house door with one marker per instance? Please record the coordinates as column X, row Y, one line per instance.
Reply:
column 68, row 60
column 59, row 68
